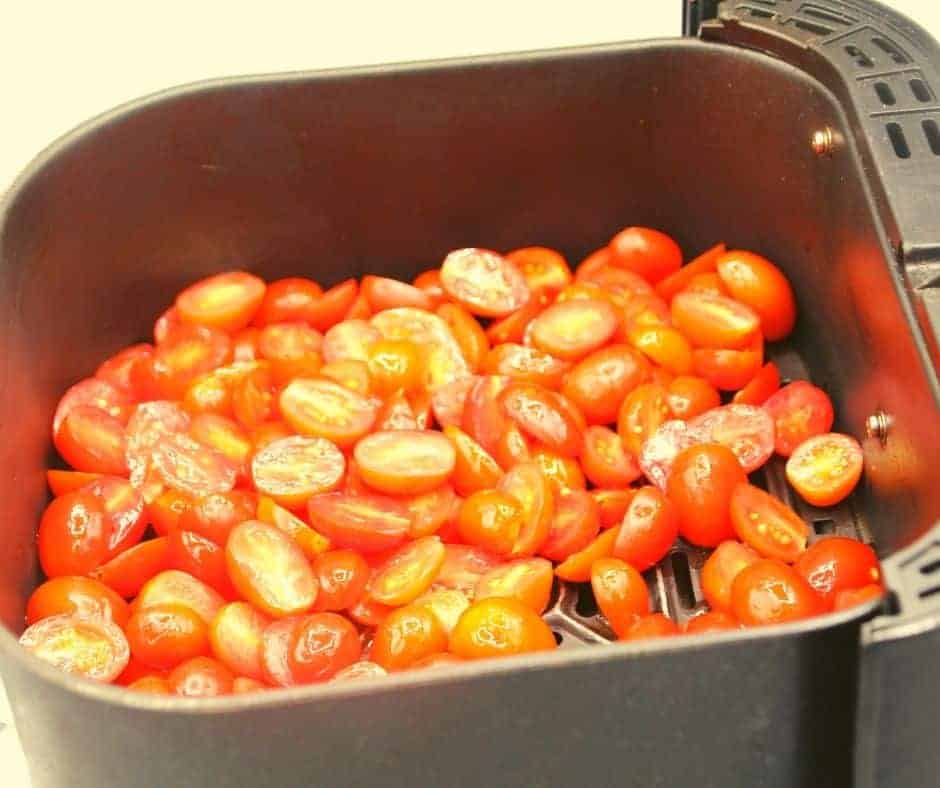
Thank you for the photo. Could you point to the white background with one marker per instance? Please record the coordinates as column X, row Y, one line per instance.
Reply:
column 63, row 63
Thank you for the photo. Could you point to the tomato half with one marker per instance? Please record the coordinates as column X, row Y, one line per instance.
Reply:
column 689, row 396
column 175, row 587
column 287, row 301
column 837, row 564
column 711, row 621
column 700, row 485
column 214, row 516
column 73, row 534
column 755, row 281
column 310, row 541
column 384, row 293
column 598, row 384
column 620, row 592
column 200, row 557
column 473, row 341
column 118, row 370
column 187, row 352
column 800, row 410
column 330, row 308
column 649, row 529
column 405, row 462
column 570, row 330
column 544, row 269
column 235, row 637
column 747, row 430
column 825, row 468
column 369, row 523
column 663, row 345
column 325, row 409
column 497, row 627
column 679, row 280
column 78, row 596
column 729, row 370
column 720, row 569
column 524, row 364
column 291, row 470
column 491, row 520
column 226, row 301
column 343, row 576
column 761, row 386
column 605, row 460
column 526, row 484
column 91, row 392
column 484, row 282
column 163, row 636
column 543, row 414
column 201, row 677
column 127, row 572
column 767, row 524
column 770, row 592
column 320, row 646
column 94, row 648
column 612, row 505
column 90, row 440
column 654, row 625
column 641, row 414
column 408, row 572
column 406, row 636
column 650, row 253
column 576, row 568
column 714, row 321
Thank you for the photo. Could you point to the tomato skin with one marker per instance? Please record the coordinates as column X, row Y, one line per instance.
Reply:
column 127, row 572
column 707, row 283
column 576, row 568
column 90, row 440
column 78, row 596
column 836, row 564
column 175, row 587
column 755, row 281
column 765, row 383
column 91, row 647
column 483, row 282
column 61, row 482
column 235, row 637
column 384, row 293
column 463, row 567
column 214, row 516
column 324, row 409
column 473, row 341
column 447, row 401
column 406, row 636
column 342, row 576
column 714, row 321
column 165, row 510
column 528, row 580
column 767, row 524
column 73, row 535
column 650, row 528
column 515, row 326
column 747, row 430
column 526, row 484
column 825, row 468
column 650, row 253
column 771, row 592
column 720, row 570
column 287, row 300
column 187, row 352
column 474, row 468
column 200, row 557
column 574, row 525
column 605, row 460
column 612, row 505
column 729, row 370
column 544, row 269
column 524, row 364
column 642, row 412
column 542, row 413
column 679, row 280
column 91, row 392
column 655, row 625
column 394, row 364
column 563, row 473
column 405, row 462
column 599, row 258
column 491, row 520
column 689, row 396
column 620, row 592
column 858, row 596
column 320, row 646
column 800, row 410
column 570, row 330
column 156, row 685
column 430, row 282
column 118, row 369
column 497, row 627
column 163, row 636
column 363, row 669
column 712, row 621
column 226, row 301
column 700, row 485
column 331, row 307
column 408, row 572
column 201, row 677
column 367, row 523
column 663, row 345
column 598, row 384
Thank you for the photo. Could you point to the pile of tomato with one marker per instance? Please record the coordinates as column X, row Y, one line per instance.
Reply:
column 293, row 485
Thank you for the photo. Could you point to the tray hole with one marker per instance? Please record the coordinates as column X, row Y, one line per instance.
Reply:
column 765, row 2
column 812, row 27
column 586, row 605
column 929, row 569
column 825, row 526
column 929, row 592
column 885, row 94
column 761, row 13
column 932, row 133
column 559, row 637
column 891, row 49
column 920, row 90
column 682, row 573
column 827, row 16
column 898, row 141
column 860, row 58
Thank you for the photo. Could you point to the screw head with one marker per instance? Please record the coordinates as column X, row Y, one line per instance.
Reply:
column 877, row 425
column 822, row 141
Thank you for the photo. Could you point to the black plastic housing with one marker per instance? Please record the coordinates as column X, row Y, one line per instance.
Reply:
column 384, row 170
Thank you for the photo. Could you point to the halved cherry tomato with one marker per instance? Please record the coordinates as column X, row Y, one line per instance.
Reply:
column 156, row 685
column 800, row 410
column 408, row 572
column 484, row 282
column 325, row 409
column 576, row 568
column 542, row 414
column 837, row 564
column 363, row 669
column 659, row 450
column 647, row 310
column 78, row 596
column 269, row 570
column 90, row 440
column 765, row 383
column 650, row 253
column 620, row 592
column 359, row 309
column 275, row 651
column 679, row 280
column 200, row 677
column 642, row 412
column 175, row 587
column 755, row 281
column 163, row 636
column 714, row 321
column 245, row 345
column 544, row 269
column 128, row 571
column 243, row 684
column 253, row 398
column 292, row 349
column 599, row 258
column 384, row 293
column 187, row 352
column 448, row 401
column 484, row 419
column 124, row 510
column 348, row 373
column 432, row 510
column 498, row 627
column 605, row 460
column 729, row 370
column 214, row 516
column 721, row 568
column 463, row 567
column 165, row 510
column 707, row 283
column 200, row 557
column 515, row 326
column 655, row 625
column 287, row 300
column 395, row 364
column 563, row 473
column 767, row 524
column 330, row 308
column 598, row 384
column 528, row 580
column 858, row 596
column 94, row 393
column 61, row 482
column 73, row 534
column 224, row 435
column 747, row 430
column 169, row 320
column 349, row 341
column 448, row 604
column 526, row 484
column 369, row 523
column 343, row 576
column 690, row 396
column 291, row 470
column 94, row 648
column 444, row 361
column 117, row 370
column 575, row 524
column 430, row 282
column 472, row 339
column 622, row 286
column 407, row 635
column 612, row 505
column 405, row 462
column 711, row 621
column 491, row 520
column 663, row 345
column 226, row 301
column 191, row 467
column 265, row 434
column 150, row 422
column 770, row 592
column 396, row 414
column 825, row 468
column 650, row 527
column 474, row 468
column 701, row 484
column 235, row 637
column 524, row 364
column 209, row 393
column 320, row 646
column 571, row 330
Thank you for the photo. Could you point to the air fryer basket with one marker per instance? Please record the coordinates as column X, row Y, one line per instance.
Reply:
column 798, row 155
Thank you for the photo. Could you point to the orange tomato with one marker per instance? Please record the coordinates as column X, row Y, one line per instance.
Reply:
column 498, row 627
column 620, row 592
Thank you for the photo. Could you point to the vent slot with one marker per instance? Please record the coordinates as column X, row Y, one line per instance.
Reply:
column 885, row 94
column 860, row 58
column 891, row 49
column 928, row 592
column 760, row 13
column 825, row 15
column 586, row 605
column 898, row 141
column 766, row 2
column 682, row 574
column 812, row 27
column 932, row 133
column 929, row 569
column 920, row 90
column 824, row 526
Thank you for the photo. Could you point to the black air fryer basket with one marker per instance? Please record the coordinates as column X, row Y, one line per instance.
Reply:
column 806, row 130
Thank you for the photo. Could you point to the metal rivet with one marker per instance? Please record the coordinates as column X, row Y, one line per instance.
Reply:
column 823, row 141
column 877, row 425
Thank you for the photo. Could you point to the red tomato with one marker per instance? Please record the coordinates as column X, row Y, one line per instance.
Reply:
column 755, row 281
column 330, row 308
column 707, row 283
column 599, row 383
column 124, row 509
column 61, row 482
column 368, row 523
column 660, row 450
column 574, row 526
column 714, row 321
column 719, row 572
column 515, row 326
column 526, row 484
column 675, row 282
column 406, row 636
column 650, row 527
column 384, row 293
column 156, row 685
column 405, row 462
column 94, row 393
column 275, row 651
column 320, row 646
column 858, row 596
column 214, row 516
column 620, row 285
column 700, row 485
column 448, row 401
column 563, row 473
column 94, row 648
column 599, row 258
column 224, row 435
column 78, row 596
column 187, row 352
column 540, row 413
column 524, row 364
column 175, row 587
column 463, row 567
column 712, row 621
column 825, row 468
column 473, row 341
column 127, row 572
column 201, row 677
column 770, row 592
column 325, row 409
column 359, row 309
column 292, row 349
column 408, row 572
column 605, row 460
column 342, row 575
column 837, row 564
column 729, row 370
column 745, row 429
column 767, row 524
column 572, row 329
column 612, row 505
column 800, row 410
column 761, row 386
column 200, row 557
column 253, row 399
column 484, row 282
column 642, row 412
column 620, row 592
column 491, row 520
column 576, row 568
column 689, row 397
column 644, row 310
column 664, row 346
column 360, row 670
column 292, row 470
column 655, row 625
column 192, row 468
column 484, row 419
column 150, row 423
column 430, row 281
column 245, row 345
column 243, row 684
column 73, row 534
column 474, row 468
column 497, row 627
column 225, row 301
column 528, row 580
column 349, row 341
column 650, row 253
column 235, row 636
column 543, row 269
column 396, row 415
column 448, row 604
column 287, row 300
column 163, row 636
column 118, row 370
column 92, row 441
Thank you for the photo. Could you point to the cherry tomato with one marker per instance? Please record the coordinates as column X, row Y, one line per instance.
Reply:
column 647, row 310
column 150, row 422
column 714, row 321
column 432, row 510
column 348, row 373
column 707, row 283
column 746, row 430
column 349, row 341
column 755, row 281
column 363, row 669
column 767, row 524
column 524, row 364
column 576, row 568
column 447, row 401
column 563, row 473
column 484, row 418
column 226, row 301
column 61, row 482
column 484, row 282
column 192, row 468
column 332, row 306
column 528, row 580
column 444, row 361
column 124, row 509
column 655, row 625
column 474, row 468
column 214, row 516
column 689, row 397
column 700, row 485
column 91, row 392
column 526, row 484
column 761, row 386
column 156, row 685
column 463, row 567
column 679, row 280
column 770, row 592
column 408, row 572
column 368, row 523
column 200, row 557
column 498, row 627
column 269, row 570
column 800, row 410
column 491, row 520
column 598, row 384
column 342, row 576
column 320, row 646
column 265, row 434
column 187, row 352
column 575, row 524
column 243, row 684
column 542, row 414
column 163, row 636
column 359, row 309
column 78, row 596
column 620, row 592
column 642, row 412
column 90, row 440
column 275, row 651
column 599, row 258
column 405, row 462
column 117, row 371
column 605, row 460
column 324, row 409
column 660, row 449
column 650, row 527
column 175, row 587
column 858, row 596
column 664, row 346
column 515, row 327
column 571, row 330
column 165, row 510
column 292, row 470
column 407, row 635
column 430, row 281
column 544, row 269
column 128, row 571
column 473, row 341
column 235, row 637
column 224, row 435
column 729, row 370
column 396, row 414
column 711, row 621
column 384, row 293
column 245, row 345
column 825, row 468
column 650, row 253
column 73, row 534
column 612, row 505
column 287, row 301
column 94, row 648
column 201, row 677
column 719, row 572
column 395, row 364
column 253, row 398
column 448, row 604
column 837, row 564
column 292, row 349
column 209, row 393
